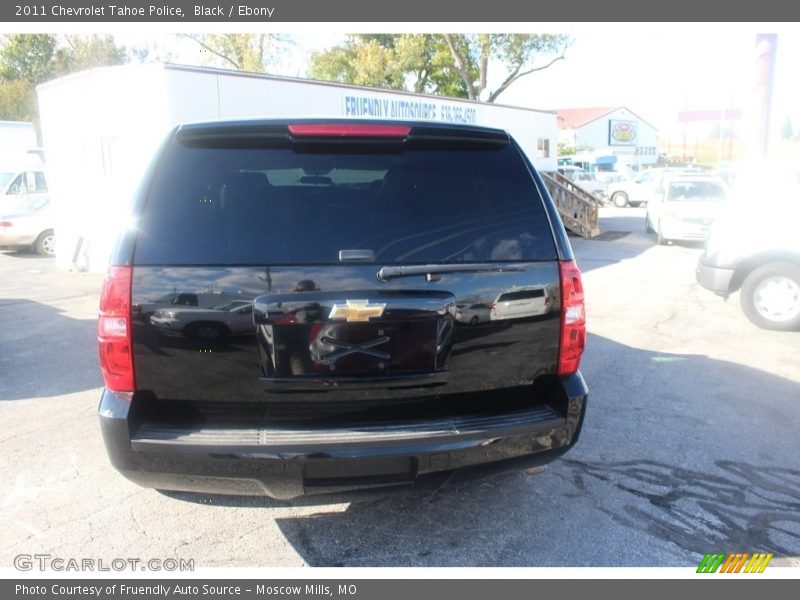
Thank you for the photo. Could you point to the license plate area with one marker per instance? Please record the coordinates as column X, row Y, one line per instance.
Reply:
column 371, row 349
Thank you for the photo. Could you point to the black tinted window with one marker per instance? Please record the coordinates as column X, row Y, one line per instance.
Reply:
column 521, row 295
column 293, row 206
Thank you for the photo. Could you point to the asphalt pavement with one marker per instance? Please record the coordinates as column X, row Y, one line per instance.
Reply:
column 690, row 444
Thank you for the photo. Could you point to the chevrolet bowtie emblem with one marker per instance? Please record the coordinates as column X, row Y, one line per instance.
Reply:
column 356, row 311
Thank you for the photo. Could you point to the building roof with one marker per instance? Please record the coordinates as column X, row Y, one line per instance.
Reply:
column 572, row 118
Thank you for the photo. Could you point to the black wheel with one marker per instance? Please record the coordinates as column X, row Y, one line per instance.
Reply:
column 46, row 243
column 620, row 199
column 770, row 296
column 647, row 227
column 474, row 320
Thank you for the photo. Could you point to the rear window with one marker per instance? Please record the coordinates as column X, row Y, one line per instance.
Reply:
column 521, row 295
column 301, row 205
column 687, row 191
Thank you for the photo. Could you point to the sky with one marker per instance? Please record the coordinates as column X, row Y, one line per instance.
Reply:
column 657, row 71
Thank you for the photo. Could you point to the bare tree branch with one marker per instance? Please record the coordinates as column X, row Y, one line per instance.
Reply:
column 210, row 49
column 516, row 75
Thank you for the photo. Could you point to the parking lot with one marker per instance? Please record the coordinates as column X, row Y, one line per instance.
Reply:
column 690, row 444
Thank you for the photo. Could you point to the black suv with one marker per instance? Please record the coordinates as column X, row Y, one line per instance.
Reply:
column 340, row 251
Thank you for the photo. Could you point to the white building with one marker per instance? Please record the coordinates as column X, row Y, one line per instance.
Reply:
column 101, row 127
column 609, row 131
column 17, row 138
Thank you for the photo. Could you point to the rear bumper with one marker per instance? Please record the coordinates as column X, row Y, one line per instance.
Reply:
column 285, row 463
column 677, row 229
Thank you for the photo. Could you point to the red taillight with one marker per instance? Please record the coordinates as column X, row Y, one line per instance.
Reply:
column 348, row 130
column 573, row 319
column 114, row 330
column 6, row 223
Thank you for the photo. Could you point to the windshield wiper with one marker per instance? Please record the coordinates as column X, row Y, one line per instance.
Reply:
column 433, row 272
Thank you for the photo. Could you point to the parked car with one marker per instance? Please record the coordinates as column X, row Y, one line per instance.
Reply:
column 753, row 247
column 22, row 182
column 228, row 318
column 472, row 313
column 518, row 303
column 354, row 373
column 641, row 188
column 148, row 306
column 685, row 207
column 27, row 222
column 584, row 179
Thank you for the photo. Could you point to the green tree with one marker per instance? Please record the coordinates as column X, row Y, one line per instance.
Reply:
column 241, row 51
column 518, row 53
column 366, row 62
column 417, row 63
column 85, row 52
column 27, row 60
column 17, row 101
column 28, row 57
column 443, row 64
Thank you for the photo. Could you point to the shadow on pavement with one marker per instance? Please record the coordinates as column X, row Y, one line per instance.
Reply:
column 24, row 254
column 44, row 353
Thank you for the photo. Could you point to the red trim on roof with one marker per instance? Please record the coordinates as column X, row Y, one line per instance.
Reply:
column 572, row 118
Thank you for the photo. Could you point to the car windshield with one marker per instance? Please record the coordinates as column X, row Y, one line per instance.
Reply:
column 18, row 205
column 694, row 191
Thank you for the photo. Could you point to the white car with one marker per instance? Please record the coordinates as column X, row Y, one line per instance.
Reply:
column 640, row 189
column 584, row 179
column 472, row 314
column 520, row 303
column 684, row 207
column 754, row 248
column 27, row 222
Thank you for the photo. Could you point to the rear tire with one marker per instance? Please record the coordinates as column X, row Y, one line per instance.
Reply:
column 45, row 244
column 474, row 320
column 620, row 199
column 647, row 227
column 770, row 297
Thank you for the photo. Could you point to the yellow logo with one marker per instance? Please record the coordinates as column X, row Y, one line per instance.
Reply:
column 356, row 311
column 622, row 132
